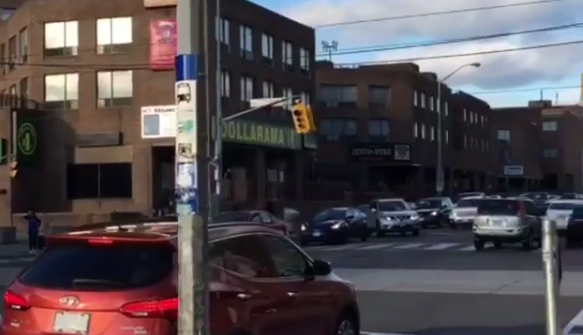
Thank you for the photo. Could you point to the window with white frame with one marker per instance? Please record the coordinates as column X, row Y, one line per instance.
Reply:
column 287, row 57
column 114, row 35
column 246, row 42
column 550, row 153
column 246, row 88
column 268, row 89
column 336, row 129
column 550, row 126
column 305, row 60
column 23, row 44
column 224, row 31
column 503, row 135
column 288, row 93
column 61, row 91
column 114, row 88
column 338, row 95
column 267, row 48
column 225, row 84
column 61, row 39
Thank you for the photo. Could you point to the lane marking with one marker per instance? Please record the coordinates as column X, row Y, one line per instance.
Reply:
column 377, row 246
column 408, row 246
column 442, row 246
column 468, row 248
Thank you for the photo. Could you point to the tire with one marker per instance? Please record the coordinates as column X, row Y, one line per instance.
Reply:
column 497, row 245
column 347, row 325
column 531, row 243
column 416, row 232
column 479, row 244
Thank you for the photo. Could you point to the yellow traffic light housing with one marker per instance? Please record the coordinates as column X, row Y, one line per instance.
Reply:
column 303, row 119
column 13, row 169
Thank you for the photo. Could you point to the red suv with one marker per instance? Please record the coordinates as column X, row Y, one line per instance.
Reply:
column 121, row 279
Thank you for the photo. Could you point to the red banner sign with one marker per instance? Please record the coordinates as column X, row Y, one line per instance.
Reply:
column 163, row 44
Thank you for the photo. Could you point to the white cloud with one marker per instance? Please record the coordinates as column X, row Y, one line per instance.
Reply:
column 500, row 70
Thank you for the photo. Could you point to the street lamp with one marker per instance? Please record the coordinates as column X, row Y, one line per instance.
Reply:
column 439, row 180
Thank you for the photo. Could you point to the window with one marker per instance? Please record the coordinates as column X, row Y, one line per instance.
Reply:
column 432, row 133
column 465, row 141
column 287, row 55
column 305, row 60
column 61, row 39
column 3, row 57
column 115, row 88
column 267, row 48
column 225, row 84
column 246, row 42
column 446, row 136
column 305, row 96
column 504, row 135
column 268, row 89
column 114, row 35
column 247, row 256
column 416, row 129
column 23, row 88
column 94, row 268
column 336, row 129
column 224, row 35
column 336, row 95
column 483, row 120
column 287, row 260
column 550, row 126
column 550, row 153
column 378, row 129
column 12, row 53
column 62, row 91
column 415, row 98
column 13, row 91
column 423, row 101
column 446, row 108
column 23, row 39
column 99, row 181
column 379, row 96
column 246, row 88
column 431, row 103
column 288, row 93
column 422, row 131
column 465, row 115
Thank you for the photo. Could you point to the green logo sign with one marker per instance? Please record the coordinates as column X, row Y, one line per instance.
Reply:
column 248, row 132
column 27, row 139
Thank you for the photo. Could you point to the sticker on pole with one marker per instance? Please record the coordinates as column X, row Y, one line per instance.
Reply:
column 186, row 175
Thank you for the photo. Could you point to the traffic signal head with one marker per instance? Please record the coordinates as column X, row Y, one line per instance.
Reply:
column 303, row 119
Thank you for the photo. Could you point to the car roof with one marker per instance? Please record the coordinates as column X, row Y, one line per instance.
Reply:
column 158, row 229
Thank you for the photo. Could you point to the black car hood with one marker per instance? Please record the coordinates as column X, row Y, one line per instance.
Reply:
column 323, row 224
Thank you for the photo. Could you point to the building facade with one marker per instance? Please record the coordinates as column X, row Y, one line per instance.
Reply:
column 99, row 75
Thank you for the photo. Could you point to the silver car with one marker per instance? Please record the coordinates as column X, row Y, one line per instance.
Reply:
column 393, row 216
column 560, row 210
column 507, row 221
column 464, row 212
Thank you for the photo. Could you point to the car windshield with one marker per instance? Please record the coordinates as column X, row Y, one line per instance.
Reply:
column 392, row 206
column 563, row 206
column 568, row 196
column 498, row 207
column 331, row 214
column 429, row 203
column 363, row 208
column 232, row 217
column 464, row 203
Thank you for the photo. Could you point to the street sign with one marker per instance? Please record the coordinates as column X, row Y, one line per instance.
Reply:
column 26, row 141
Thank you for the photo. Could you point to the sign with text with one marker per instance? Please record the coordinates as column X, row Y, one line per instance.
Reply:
column 513, row 170
column 380, row 152
column 163, row 44
column 158, row 121
column 253, row 133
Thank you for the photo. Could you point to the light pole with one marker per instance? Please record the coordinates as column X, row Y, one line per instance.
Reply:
column 439, row 180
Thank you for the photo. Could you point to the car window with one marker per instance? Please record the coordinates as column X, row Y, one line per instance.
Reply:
column 265, row 217
column 256, row 218
column 290, row 213
column 244, row 255
column 364, row 208
column 468, row 203
column 498, row 207
column 287, row 259
column 531, row 208
column 104, row 267
column 392, row 206
column 563, row 206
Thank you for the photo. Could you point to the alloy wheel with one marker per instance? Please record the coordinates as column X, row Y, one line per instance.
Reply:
column 346, row 327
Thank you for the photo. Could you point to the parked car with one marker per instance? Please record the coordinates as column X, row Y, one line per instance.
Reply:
column 464, row 212
column 463, row 195
column 560, row 211
column 393, row 215
column 574, row 232
column 257, row 216
column 434, row 211
column 507, row 221
column 540, row 198
column 336, row 225
column 118, row 279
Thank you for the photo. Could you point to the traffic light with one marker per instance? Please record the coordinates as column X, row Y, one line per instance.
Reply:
column 303, row 119
column 13, row 169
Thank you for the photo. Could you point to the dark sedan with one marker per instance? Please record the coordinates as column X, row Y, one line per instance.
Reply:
column 336, row 225
column 434, row 211
column 574, row 231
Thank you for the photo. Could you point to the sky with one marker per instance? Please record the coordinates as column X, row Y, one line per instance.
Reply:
column 503, row 79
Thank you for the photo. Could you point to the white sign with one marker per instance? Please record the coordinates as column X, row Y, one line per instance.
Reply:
column 513, row 170
column 158, row 121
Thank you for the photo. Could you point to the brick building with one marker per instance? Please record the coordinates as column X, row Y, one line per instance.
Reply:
column 94, row 72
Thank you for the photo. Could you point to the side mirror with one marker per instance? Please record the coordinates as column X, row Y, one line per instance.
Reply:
column 321, row 268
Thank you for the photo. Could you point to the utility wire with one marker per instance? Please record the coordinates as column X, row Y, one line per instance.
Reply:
column 437, row 13
column 401, row 46
column 531, row 89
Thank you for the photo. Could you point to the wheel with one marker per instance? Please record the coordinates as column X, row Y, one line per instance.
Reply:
column 416, row 232
column 497, row 244
column 347, row 325
column 530, row 243
column 479, row 244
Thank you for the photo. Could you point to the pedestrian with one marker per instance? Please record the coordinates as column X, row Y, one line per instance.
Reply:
column 34, row 224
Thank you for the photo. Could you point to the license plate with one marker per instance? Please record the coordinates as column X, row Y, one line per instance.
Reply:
column 316, row 234
column 71, row 323
column 497, row 222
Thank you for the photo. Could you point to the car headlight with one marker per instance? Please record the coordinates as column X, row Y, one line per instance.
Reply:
column 303, row 228
column 434, row 213
column 414, row 217
column 386, row 220
column 337, row 225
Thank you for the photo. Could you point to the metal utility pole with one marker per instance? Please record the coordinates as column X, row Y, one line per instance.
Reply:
column 439, row 179
column 192, row 166
column 551, row 261
column 215, row 202
column 330, row 47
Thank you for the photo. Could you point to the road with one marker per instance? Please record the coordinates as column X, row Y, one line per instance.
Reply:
column 437, row 284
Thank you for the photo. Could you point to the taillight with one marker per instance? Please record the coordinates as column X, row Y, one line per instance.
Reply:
column 15, row 302
column 165, row 308
column 100, row 241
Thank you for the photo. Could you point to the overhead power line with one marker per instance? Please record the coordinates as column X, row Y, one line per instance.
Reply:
column 437, row 13
column 400, row 46
column 528, row 89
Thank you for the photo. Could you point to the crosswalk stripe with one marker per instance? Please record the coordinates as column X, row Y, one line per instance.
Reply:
column 442, row 246
column 409, row 246
column 377, row 246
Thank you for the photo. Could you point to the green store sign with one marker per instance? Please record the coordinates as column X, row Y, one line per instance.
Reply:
column 26, row 140
column 253, row 133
